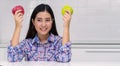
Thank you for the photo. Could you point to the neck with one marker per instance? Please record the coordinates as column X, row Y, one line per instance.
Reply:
column 43, row 38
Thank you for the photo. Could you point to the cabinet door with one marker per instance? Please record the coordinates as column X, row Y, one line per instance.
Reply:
column 100, row 53
column 3, row 54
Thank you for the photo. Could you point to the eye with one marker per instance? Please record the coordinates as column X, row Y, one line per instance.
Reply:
column 47, row 19
column 39, row 20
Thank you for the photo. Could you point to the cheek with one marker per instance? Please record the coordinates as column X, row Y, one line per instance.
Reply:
column 50, row 25
column 37, row 25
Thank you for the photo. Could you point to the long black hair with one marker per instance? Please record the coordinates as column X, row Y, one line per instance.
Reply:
column 40, row 8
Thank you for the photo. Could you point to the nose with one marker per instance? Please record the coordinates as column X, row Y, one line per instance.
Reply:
column 43, row 24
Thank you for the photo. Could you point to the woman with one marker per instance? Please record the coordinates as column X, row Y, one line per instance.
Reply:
column 42, row 42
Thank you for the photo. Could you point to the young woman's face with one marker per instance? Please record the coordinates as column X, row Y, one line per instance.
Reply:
column 43, row 23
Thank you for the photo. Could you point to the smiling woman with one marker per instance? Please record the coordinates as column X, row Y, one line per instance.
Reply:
column 42, row 41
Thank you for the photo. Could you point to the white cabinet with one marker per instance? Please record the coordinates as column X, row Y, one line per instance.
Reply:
column 3, row 54
column 100, row 53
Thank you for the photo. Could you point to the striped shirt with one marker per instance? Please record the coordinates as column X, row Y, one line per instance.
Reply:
column 35, row 50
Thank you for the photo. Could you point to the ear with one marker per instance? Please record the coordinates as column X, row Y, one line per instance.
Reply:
column 33, row 22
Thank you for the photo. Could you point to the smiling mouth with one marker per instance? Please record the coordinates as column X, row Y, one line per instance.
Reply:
column 43, row 29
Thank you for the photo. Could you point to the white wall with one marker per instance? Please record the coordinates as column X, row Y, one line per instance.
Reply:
column 7, row 22
column 92, row 20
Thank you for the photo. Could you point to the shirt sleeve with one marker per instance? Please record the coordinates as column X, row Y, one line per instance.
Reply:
column 16, row 53
column 64, row 52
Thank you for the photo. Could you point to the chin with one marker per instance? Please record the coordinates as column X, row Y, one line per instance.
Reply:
column 44, row 33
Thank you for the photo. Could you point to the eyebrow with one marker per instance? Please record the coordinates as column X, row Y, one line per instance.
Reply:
column 42, row 18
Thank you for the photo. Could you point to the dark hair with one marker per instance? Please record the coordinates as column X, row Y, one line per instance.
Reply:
column 40, row 8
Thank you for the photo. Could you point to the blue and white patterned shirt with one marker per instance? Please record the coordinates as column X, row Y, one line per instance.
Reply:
column 34, row 50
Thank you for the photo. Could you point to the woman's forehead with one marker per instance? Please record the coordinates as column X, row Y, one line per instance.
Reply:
column 43, row 14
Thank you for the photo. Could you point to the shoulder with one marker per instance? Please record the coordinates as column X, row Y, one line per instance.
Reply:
column 54, row 38
column 57, row 40
column 26, row 42
column 57, row 37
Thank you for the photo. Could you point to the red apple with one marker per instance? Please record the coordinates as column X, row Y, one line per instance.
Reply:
column 18, row 7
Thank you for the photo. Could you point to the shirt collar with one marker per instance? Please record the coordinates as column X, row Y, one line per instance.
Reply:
column 51, row 38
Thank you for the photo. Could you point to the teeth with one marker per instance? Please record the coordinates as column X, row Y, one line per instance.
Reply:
column 43, row 29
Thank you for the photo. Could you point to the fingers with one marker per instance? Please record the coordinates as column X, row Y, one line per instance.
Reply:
column 18, row 16
column 19, row 11
column 67, row 15
column 68, row 12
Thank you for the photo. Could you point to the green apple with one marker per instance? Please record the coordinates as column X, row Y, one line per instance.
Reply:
column 67, row 8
